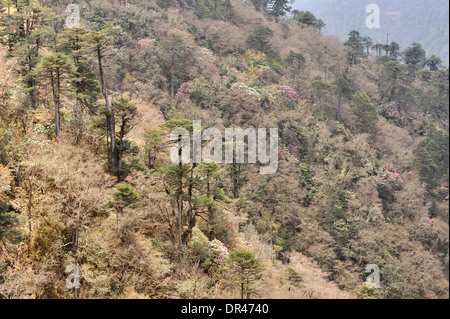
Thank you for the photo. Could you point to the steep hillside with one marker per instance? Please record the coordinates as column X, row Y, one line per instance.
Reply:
column 406, row 22
column 87, row 180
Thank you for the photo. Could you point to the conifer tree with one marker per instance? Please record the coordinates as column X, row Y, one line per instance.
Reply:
column 343, row 89
column 87, row 86
column 260, row 5
column 368, row 43
column 124, row 112
column 434, row 63
column 179, row 183
column 56, row 70
column 414, row 56
column 259, row 40
column 355, row 47
column 394, row 50
column 245, row 270
column 97, row 43
column 426, row 166
column 307, row 18
column 153, row 146
column 8, row 225
column 279, row 8
column 365, row 112
column 175, row 59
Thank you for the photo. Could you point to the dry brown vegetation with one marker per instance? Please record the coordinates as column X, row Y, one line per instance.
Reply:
column 331, row 208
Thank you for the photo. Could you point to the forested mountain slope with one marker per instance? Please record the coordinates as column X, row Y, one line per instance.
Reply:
column 406, row 22
column 86, row 179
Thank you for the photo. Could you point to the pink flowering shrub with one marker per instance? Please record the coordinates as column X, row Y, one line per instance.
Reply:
column 67, row 107
column 183, row 91
column 344, row 231
column 86, row 7
column 427, row 222
column 371, row 73
column 218, row 255
column 139, row 87
column 238, row 119
column 175, row 4
column 388, row 183
column 284, row 95
column 445, row 125
column 394, row 179
column 379, row 217
column 393, row 113
column 197, row 90
column 292, row 138
column 341, row 229
column 402, row 116
column 160, row 32
column 344, row 132
column 427, row 227
column 422, row 116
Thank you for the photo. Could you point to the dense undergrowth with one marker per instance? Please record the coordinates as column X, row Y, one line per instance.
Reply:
column 363, row 164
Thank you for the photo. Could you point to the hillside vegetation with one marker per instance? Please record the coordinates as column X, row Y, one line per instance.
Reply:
column 86, row 177
column 406, row 22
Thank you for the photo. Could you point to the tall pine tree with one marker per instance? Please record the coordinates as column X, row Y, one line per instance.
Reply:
column 279, row 8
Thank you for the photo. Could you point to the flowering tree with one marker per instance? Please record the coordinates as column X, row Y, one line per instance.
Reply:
column 394, row 179
column 346, row 133
column 218, row 255
column 283, row 95
column 392, row 112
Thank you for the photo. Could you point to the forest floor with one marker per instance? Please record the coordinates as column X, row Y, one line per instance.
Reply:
column 150, row 118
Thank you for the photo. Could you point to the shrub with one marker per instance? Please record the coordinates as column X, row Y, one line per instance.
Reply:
column 199, row 245
column 364, row 292
column 218, row 255
column 365, row 113
column 293, row 276
column 126, row 195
